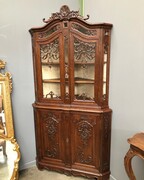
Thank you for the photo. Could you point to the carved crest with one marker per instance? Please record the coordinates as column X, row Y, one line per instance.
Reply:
column 64, row 14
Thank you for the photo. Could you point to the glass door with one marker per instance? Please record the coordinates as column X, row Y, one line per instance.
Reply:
column 84, row 69
column 51, row 71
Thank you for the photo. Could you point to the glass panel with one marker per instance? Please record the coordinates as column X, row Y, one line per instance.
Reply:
column 51, row 69
column 105, row 57
column 51, row 72
column 104, row 88
column 84, row 51
column 104, row 71
column 50, row 52
column 104, row 79
column 51, row 90
column 49, row 31
column 105, row 65
column 84, row 69
column 84, row 30
column 66, row 52
column 84, row 91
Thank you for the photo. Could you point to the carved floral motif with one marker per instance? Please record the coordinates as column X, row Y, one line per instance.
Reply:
column 64, row 13
column 84, row 51
column 50, row 52
column 51, row 125
column 85, row 130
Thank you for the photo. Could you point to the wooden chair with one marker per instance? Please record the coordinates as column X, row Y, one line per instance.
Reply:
column 136, row 149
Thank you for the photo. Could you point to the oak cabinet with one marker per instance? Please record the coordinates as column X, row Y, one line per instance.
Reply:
column 71, row 60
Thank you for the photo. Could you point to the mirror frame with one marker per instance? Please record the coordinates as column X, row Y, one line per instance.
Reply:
column 6, row 83
column 15, row 173
column 6, row 90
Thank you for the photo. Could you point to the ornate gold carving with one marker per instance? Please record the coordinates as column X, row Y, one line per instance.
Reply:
column 2, row 64
column 5, row 92
column 14, row 175
column 6, row 88
column 10, row 80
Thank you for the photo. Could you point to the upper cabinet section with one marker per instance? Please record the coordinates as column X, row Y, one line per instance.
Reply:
column 71, row 60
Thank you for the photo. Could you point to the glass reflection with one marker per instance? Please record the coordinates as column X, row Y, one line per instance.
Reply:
column 2, row 115
column 9, row 157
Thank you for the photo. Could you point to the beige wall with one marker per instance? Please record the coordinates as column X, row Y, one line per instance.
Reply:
column 127, row 75
column 16, row 18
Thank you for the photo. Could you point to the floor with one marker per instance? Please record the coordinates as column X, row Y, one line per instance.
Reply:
column 35, row 174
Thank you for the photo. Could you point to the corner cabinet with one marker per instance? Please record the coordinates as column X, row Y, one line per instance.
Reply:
column 71, row 73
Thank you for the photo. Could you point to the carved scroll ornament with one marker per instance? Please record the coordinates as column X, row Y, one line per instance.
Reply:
column 65, row 14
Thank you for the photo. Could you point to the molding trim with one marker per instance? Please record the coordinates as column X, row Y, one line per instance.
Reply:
column 112, row 178
column 28, row 165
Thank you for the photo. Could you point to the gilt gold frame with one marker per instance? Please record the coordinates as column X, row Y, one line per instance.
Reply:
column 6, row 89
column 14, row 175
column 8, row 136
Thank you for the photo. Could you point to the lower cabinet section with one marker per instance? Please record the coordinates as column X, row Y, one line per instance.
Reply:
column 72, row 142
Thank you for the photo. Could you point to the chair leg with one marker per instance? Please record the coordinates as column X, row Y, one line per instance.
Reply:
column 128, row 166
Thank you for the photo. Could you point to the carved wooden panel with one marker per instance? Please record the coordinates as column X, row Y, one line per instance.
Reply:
column 84, row 51
column 51, row 129
column 84, row 140
column 50, row 52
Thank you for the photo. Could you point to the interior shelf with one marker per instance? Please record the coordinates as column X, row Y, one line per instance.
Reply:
column 76, row 80
column 84, row 63
column 51, row 80
column 83, row 80
column 50, row 63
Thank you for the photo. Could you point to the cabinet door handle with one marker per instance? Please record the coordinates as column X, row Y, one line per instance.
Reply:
column 67, row 140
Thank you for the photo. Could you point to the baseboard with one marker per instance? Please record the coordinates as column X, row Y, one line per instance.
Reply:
column 28, row 165
column 112, row 178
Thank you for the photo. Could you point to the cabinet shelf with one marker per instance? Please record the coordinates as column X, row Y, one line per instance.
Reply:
column 50, row 63
column 77, row 80
column 84, row 63
column 83, row 81
column 51, row 80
